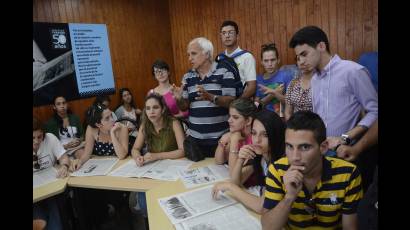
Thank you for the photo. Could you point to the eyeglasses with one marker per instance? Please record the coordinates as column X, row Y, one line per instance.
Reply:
column 159, row 71
column 230, row 33
column 36, row 165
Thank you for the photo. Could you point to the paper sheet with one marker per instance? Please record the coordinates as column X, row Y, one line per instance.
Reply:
column 96, row 167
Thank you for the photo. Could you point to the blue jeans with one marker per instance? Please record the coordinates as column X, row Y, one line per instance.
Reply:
column 48, row 210
column 142, row 202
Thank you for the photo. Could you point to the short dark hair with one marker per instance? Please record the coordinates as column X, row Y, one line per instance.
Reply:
column 159, row 64
column 101, row 98
column 230, row 23
column 307, row 120
column 94, row 114
column 310, row 35
column 269, row 47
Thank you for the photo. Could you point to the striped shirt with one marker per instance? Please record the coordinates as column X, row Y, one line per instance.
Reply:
column 338, row 192
column 208, row 121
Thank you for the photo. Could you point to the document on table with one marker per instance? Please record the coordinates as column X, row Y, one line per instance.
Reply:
column 191, row 204
column 204, row 175
column 44, row 176
column 160, row 170
column 233, row 217
column 96, row 167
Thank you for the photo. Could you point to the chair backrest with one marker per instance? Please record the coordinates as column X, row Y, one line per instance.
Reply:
column 370, row 60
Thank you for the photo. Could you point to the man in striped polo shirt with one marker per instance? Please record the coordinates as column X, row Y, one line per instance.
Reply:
column 207, row 92
column 306, row 189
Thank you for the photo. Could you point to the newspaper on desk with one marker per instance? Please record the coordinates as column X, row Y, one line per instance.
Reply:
column 233, row 217
column 204, row 175
column 193, row 203
column 44, row 176
column 160, row 170
column 96, row 167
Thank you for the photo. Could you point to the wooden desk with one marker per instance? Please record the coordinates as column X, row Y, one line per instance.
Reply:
column 49, row 190
column 114, row 183
column 156, row 216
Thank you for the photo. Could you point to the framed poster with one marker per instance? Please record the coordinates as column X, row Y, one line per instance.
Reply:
column 72, row 60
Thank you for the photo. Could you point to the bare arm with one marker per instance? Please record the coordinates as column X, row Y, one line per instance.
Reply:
column 370, row 138
column 288, row 111
column 223, row 143
column 249, row 90
column 277, row 217
column 88, row 149
column 119, row 138
column 349, row 221
column 136, row 148
column 249, row 200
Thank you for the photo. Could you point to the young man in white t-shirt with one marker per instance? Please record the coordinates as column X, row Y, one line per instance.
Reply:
column 246, row 62
column 47, row 149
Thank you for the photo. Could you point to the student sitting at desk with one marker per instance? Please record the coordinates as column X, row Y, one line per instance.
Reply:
column 47, row 150
column 65, row 125
column 268, row 134
column 240, row 119
column 163, row 136
column 103, row 137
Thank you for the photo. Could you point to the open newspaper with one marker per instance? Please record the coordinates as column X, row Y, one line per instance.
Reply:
column 96, row 167
column 204, row 175
column 160, row 170
column 233, row 217
column 183, row 206
column 44, row 176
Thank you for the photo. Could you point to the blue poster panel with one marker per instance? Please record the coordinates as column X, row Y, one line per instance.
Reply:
column 70, row 60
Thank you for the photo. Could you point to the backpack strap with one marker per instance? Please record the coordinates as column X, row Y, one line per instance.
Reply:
column 239, row 53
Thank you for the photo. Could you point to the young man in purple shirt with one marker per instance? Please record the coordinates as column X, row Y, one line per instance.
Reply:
column 341, row 89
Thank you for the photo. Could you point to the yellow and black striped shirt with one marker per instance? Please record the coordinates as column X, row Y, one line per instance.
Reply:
column 338, row 192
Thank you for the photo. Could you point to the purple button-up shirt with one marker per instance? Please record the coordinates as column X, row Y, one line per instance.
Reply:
column 339, row 92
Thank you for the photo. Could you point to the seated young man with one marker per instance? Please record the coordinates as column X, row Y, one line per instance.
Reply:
column 306, row 189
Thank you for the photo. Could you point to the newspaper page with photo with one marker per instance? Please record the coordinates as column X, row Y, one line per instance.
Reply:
column 160, row 170
column 131, row 169
column 167, row 169
column 96, row 167
column 44, row 176
column 233, row 217
column 204, row 175
column 193, row 203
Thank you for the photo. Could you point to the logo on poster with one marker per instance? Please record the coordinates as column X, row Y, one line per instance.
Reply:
column 59, row 38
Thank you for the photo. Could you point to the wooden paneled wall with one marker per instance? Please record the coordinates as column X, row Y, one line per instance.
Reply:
column 142, row 30
column 351, row 25
column 138, row 33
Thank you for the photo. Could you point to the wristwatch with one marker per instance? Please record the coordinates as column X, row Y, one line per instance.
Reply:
column 346, row 139
column 215, row 99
